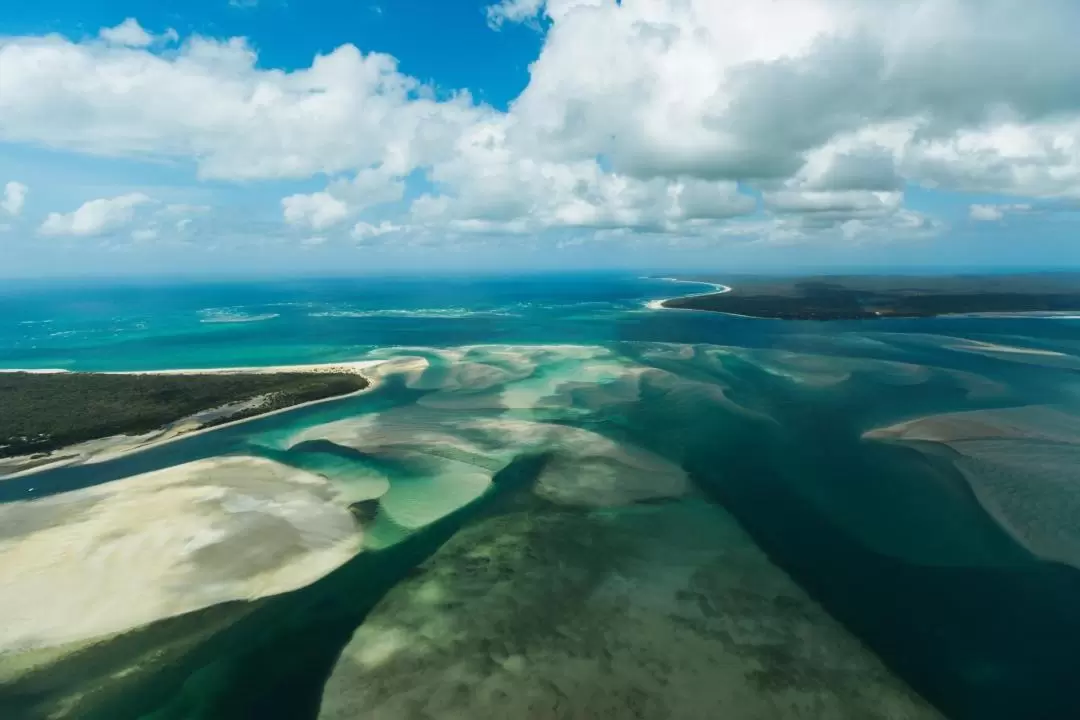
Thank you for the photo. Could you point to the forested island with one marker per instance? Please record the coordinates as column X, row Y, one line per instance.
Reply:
column 851, row 297
column 46, row 412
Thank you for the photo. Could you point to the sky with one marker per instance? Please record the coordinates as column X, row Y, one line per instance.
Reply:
column 156, row 137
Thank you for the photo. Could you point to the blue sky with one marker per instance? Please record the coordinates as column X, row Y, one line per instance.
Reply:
column 269, row 136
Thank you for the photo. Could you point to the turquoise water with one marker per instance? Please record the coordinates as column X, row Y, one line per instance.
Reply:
column 765, row 417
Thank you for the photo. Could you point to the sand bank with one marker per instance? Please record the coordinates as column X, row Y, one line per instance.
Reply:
column 1021, row 464
column 105, row 559
column 356, row 367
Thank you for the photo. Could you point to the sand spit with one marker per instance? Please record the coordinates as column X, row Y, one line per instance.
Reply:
column 653, row 611
column 659, row 304
column 106, row 559
column 1023, row 465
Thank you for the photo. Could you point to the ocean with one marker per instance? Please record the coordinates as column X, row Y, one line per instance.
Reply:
column 947, row 549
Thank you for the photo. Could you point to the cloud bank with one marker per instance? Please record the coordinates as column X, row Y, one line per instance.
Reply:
column 787, row 118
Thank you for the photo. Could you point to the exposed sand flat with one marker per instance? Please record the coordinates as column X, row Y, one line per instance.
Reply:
column 448, row 462
column 453, row 456
column 105, row 559
column 652, row 612
column 1023, row 465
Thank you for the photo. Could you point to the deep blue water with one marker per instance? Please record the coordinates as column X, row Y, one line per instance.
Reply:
column 892, row 543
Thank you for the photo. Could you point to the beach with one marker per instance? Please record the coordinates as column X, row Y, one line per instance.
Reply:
column 718, row 289
column 117, row 446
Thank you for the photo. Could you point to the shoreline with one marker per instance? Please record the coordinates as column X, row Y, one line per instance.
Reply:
column 355, row 367
column 718, row 289
column 113, row 447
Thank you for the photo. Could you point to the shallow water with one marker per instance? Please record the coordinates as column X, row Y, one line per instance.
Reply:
column 563, row 394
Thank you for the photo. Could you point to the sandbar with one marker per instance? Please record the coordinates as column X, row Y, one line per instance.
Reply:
column 102, row 560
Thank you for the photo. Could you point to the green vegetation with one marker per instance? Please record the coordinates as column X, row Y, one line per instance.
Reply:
column 45, row 412
column 869, row 297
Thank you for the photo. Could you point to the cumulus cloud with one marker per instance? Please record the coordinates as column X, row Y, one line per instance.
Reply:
column 316, row 211
column 128, row 34
column 724, row 88
column 649, row 115
column 994, row 213
column 493, row 185
column 96, row 217
column 14, row 197
column 346, row 112
column 366, row 231
column 513, row 11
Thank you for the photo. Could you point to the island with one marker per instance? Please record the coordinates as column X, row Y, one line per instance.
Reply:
column 859, row 297
column 55, row 418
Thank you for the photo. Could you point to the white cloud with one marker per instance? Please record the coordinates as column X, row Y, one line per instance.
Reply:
column 128, row 34
column 795, row 229
column 365, row 231
column 745, row 90
column 96, row 217
column 986, row 213
column 145, row 234
column 317, row 211
column 513, row 11
column 847, row 201
column 649, row 115
column 14, row 197
column 346, row 113
column 995, row 213
column 492, row 185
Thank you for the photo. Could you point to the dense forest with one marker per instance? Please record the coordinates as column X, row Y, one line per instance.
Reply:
column 40, row 413
column 869, row 297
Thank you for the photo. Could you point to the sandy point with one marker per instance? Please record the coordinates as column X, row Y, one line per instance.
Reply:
column 659, row 304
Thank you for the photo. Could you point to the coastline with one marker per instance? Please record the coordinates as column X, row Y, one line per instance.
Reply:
column 355, row 367
column 718, row 289
column 117, row 446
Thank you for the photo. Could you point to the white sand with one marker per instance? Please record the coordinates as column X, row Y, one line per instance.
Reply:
column 105, row 559
column 993, row 347
column 659, row 304
column 357, row 367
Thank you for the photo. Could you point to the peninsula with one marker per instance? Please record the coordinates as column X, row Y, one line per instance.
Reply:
column 57, row 417
column 851, row 297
